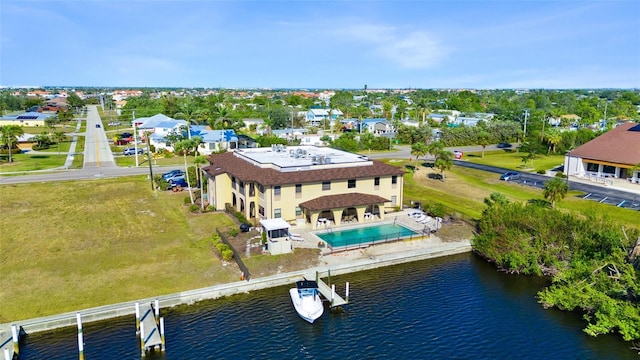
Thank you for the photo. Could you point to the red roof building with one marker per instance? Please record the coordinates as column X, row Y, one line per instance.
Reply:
column 612, row 154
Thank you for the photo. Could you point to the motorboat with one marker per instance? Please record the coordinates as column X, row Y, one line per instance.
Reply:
column 306, row 300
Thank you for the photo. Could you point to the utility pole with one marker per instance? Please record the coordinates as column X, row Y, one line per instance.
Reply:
column 135, row 136
column 526, row 115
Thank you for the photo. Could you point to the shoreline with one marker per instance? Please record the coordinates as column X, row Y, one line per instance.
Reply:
column 354, row 261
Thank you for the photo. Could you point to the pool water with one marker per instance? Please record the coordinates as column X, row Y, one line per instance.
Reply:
column 370, row 234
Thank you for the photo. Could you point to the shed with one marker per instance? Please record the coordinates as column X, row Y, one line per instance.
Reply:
column 277, row 230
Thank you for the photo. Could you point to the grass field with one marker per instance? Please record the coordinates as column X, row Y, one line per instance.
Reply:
column 72, row 245
column 511, row 160
column 464, row 191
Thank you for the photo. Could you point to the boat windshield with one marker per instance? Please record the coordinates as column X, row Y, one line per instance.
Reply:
column 307, row 292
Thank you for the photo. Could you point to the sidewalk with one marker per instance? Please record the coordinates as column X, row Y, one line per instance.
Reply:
column 616, row 184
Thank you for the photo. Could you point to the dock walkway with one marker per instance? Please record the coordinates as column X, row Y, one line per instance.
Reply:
column 9, row 343
column 149, row 328
column 327, row 292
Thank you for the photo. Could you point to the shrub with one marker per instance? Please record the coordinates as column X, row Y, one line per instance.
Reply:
column 560, row 174
column 227, row 254
column 162, row 184
column 541, row 171
column 186, row 200
column 240, row 217
column 40, row 147
column 233, row 232
column 437, row 210
column 264, row 237
column 194, row 208
column 215, row 239
column 222, row 247
column 211, row 208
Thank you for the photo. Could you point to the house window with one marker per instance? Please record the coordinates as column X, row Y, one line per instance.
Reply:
column 351, row 183
column 252, row 189
column 276, row 190
column 261, row 210
column 233, row 182
column 298, row 188
column 394, row 179
column 261, row 189
column 277, row 213
column 298, row 211
column 376, row 181
column 393, row 200
column 326, row 185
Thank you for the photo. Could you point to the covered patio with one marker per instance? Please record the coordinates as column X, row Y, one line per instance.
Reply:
column 336, row 210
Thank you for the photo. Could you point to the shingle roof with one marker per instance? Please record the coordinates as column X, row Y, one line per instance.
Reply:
column 245, row 171
column 619, row 145
column 341, row 200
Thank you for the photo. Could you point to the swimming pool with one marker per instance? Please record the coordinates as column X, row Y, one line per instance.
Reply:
column 365, row 235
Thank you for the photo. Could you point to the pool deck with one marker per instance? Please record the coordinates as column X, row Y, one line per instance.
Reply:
column 309, row 238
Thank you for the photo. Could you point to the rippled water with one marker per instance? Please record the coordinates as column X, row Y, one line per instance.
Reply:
column 454, row 307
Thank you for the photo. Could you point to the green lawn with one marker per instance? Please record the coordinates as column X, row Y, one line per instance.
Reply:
column 31, row 162
column 464, row 190
column 509, row 159
column 73, row 245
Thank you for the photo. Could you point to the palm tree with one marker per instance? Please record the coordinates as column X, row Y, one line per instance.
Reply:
column 198, row 161
column 188, row 112
column 444, row 161
column 10, row 135
column 435, row 147
column 185, row 146
column 554, row 190
column 483, row 140
column 554, row 138
column 418, row 149
column 59, row 136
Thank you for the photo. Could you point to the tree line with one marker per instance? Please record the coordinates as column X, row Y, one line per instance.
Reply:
column 593, row 262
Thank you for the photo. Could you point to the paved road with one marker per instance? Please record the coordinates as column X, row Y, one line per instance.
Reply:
column 97, row 152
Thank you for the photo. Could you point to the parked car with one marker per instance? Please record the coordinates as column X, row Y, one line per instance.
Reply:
column 126, row 135
column 98, row 125
column 510, row 175
column 175, row 178
column 132, row 151
column 177, row 183
column 503, row 145
column 172, row 173
column 114, row 123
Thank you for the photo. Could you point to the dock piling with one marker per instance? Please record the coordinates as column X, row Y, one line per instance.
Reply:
column 137, row 318
column 162, row 345
column 347, row 293
column 333, row 293
column 7, row 354
column 142, row 352
column 80, row 337
column 14, row 337
column 157, row 310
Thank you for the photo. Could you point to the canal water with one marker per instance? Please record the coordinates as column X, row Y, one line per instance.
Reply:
column 457, row 307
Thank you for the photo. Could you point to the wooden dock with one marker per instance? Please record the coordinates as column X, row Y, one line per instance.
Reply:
column 151, row 327
column 9, row 340
column 328, row 292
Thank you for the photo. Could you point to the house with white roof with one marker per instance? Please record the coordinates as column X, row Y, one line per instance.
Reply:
column 316, row 117
column 376, row 126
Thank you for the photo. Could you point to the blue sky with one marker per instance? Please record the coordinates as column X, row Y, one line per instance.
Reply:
column 321, row 44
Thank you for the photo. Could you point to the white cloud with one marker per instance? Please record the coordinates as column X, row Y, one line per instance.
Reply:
column 411, row 50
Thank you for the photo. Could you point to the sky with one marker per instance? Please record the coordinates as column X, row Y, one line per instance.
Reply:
column 309, row 44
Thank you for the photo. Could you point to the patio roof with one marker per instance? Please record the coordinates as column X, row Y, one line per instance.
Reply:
column 274, row 224
column 342, row 201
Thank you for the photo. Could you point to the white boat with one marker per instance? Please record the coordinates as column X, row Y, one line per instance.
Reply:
column 306, row 300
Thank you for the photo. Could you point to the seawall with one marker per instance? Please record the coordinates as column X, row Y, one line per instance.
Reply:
column 218, row 291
